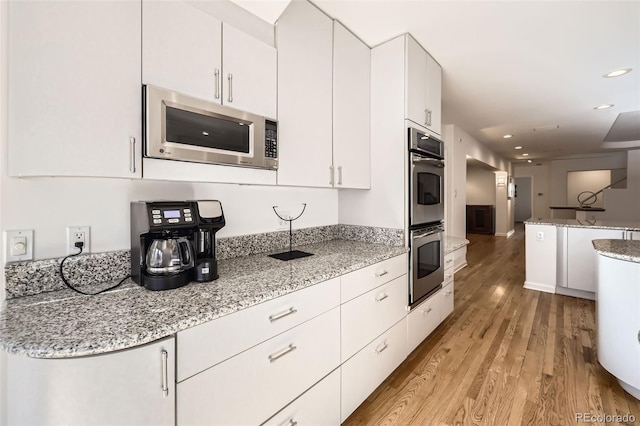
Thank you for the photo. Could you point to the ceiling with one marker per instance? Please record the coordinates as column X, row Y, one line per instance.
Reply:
column 510, row 67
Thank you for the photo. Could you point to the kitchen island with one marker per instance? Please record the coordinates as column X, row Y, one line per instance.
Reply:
column 618, row 310
column 560, row 257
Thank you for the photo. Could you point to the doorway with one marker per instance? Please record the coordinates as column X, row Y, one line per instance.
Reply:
column 522, row 199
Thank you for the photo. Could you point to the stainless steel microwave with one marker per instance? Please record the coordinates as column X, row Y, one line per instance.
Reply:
column 183, row 128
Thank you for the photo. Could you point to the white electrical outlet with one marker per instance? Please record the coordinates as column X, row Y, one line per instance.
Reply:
column 283, row 224
column 76, row 234
column 539, row 236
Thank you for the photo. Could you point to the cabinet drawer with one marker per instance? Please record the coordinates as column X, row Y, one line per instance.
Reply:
column 448, row 276
column 319, row 406
column 369, row 367
column 250, row 387
column 368, row 315
column 449, row 259
column 358, row 282
column 208, row 344
column 422, row 320
column 446, row 305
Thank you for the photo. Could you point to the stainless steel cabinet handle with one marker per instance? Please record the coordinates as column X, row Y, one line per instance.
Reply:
column 448, row 293
column 381, row 298
column 331, row 175
column 448, row 276
column 165, row 375
column 292, row 422
column 230, row 87
column 339, row 175
column 381, row 348
column 428, row 117
column 427, row 311
column 216, row 75
column 276, row 317
column 381, row 274
column 132, row 155
column 282, row 353
column 449, row 261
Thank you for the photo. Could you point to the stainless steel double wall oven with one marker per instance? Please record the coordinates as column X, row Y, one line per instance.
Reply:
column 426, row 214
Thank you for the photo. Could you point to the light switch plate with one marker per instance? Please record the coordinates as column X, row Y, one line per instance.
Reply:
column 18, row 245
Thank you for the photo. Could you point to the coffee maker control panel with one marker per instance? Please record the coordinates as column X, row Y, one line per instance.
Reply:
column 178, row 215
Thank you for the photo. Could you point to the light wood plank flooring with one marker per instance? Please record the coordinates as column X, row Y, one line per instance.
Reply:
column 506, row 356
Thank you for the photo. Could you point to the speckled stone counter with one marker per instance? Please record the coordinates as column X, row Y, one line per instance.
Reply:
column 452, row 244
column 628, row 250
column 61, row 324
column 575, row 223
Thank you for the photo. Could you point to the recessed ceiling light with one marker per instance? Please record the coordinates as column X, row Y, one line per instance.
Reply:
column 518, row 147
column 617, row 73
column 525, row 154
column 507, row 136
column 603, row 106
column 528, row 161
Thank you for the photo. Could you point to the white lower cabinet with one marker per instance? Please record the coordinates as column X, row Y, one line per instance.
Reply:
column 364, row 372
column 250, row 387
column 366, row 316
column 133, row 386
column 319, row 406
column 424, row 318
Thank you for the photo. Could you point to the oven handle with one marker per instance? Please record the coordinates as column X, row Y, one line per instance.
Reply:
column 417, row 159
column 426, row 234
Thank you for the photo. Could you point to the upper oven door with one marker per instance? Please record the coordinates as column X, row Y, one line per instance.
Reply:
column 426, row 204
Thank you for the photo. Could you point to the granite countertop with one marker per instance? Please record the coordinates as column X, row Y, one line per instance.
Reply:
column 63, row 324
column 628, row 250
column 453, row 243
column 577, row 223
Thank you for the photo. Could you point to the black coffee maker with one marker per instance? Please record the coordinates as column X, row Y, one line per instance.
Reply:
column 210, row 220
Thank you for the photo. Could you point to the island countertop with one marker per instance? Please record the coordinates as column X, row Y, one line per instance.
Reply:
column 63, row 324
column 628, row 250
column 577, row 223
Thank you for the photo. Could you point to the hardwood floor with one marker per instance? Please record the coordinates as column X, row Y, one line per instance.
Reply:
column 506, row 356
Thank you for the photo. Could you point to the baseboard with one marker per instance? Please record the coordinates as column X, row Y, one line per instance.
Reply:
column 540, row 287
column 460, row 267
column 508, row 234
column 565, row 291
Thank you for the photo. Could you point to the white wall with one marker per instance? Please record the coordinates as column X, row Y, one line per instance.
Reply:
column 481, row 186
column 459, row 144
column 3, row 154
column 587, row 180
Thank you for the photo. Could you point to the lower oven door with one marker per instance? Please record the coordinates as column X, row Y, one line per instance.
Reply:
column 427, row 262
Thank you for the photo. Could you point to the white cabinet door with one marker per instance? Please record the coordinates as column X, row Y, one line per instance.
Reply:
column 581, row 257
column 120, row 388
column 181, row 48
column 351, row 110
column 249, row 73
column 369, row 367
column 304, row 38
column 74, row 88
column 250, row 387
column 434, row 95
column 423, row 319
column 415, row 81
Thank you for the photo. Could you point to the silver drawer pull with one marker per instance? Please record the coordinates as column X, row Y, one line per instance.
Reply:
column 381, row 348
column 448, row 293
column 426, row 311
column 282, row 353
column 165, row 373
column 381, row 298
column 448, row 276
column 292, row 422
column 276, row 317
column 381, row 274
column 450, row 260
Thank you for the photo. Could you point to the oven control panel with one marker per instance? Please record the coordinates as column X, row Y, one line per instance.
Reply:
column 271, row 139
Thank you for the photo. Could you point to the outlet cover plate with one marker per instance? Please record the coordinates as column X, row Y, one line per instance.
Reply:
column 72, row 236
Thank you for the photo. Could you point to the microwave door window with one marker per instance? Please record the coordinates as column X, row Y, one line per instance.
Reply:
column 190, row 128
column 428, row 259
column 428, row 189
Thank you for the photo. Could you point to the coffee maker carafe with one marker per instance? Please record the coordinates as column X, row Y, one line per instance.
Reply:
column 162, row 242
column 210, row 220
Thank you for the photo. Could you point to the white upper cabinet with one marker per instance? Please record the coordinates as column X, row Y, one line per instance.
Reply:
column 189, row 51
column 304, row 38
column 423, row 82
column 181, row 49
column 250, row 73
column 351, row 110
column 74, row 89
